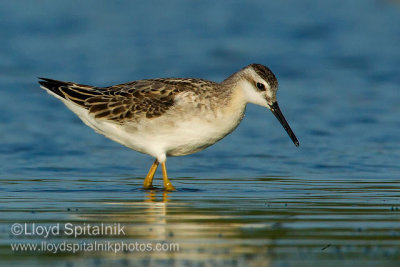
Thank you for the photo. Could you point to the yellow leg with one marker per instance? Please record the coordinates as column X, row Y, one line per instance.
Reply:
column 148, row 181
column 167, row 183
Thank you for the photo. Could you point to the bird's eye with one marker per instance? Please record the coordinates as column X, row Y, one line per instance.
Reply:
column 260, row 86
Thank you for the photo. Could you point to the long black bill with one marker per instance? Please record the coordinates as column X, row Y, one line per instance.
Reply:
column 278, row 114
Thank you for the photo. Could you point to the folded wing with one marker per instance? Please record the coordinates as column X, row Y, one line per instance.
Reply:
column 147, row 98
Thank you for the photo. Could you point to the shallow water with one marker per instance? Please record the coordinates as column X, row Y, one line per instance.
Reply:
column 253, row 199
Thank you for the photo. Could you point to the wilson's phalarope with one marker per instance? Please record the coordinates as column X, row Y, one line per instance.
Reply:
column 170, row 117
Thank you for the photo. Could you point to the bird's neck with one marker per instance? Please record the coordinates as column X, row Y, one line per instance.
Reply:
column 235, row 98
column 237, row 84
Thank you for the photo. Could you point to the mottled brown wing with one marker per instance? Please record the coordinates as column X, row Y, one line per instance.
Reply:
column 128, row 101
column 145, row 98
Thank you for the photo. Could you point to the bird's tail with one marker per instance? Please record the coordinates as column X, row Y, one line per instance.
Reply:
column 54, row 86
column 77, row 93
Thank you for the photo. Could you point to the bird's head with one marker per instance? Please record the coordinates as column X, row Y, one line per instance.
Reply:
column 259, row 86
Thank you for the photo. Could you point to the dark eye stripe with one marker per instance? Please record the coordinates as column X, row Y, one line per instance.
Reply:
column 260, row 86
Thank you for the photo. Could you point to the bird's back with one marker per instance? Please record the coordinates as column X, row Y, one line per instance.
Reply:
column 130, row 101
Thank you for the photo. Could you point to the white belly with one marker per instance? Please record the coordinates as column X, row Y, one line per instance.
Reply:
column 168, row 135
column 194, row 135
column 176, row 138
